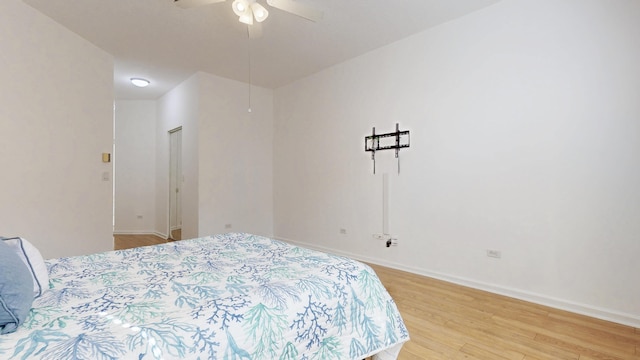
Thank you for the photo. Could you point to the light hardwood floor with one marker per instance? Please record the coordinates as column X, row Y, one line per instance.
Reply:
column 448, row 321
column 121, row 242
column 176, row 234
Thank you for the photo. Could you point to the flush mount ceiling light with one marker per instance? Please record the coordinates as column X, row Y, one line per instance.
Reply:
column 139, row 82
column 247, row 10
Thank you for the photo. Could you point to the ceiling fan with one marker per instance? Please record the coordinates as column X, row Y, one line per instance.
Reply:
column 248, row 10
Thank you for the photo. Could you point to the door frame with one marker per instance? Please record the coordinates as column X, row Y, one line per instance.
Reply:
column 178, row 180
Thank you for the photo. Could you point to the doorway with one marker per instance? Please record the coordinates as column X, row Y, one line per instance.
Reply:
column 175, row 184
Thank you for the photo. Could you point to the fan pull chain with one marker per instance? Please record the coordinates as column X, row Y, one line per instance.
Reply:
column 250, row 67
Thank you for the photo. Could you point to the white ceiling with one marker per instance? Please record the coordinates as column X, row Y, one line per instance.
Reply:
column 159, row 41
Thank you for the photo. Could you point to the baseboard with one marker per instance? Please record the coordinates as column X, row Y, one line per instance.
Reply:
column 591, row 311
column 137, row 232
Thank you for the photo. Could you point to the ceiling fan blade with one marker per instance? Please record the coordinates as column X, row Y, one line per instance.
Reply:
column 185, row 4
column 255, row 30
column 295, row 8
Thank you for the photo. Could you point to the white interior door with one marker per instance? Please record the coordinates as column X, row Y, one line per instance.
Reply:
column 175, row 181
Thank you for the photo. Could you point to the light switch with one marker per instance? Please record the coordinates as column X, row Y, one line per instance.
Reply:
column 105, row 176
column 106, row 157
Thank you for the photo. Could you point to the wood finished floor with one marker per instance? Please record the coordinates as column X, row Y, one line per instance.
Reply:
column 448, row 321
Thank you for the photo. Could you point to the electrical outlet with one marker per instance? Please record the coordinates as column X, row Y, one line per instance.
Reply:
column 394, row 241
column 494, row 253
column 381, row 237
column 227, row 226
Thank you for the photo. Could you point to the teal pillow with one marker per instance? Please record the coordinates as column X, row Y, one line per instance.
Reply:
column 16, row 290
column 34, row 261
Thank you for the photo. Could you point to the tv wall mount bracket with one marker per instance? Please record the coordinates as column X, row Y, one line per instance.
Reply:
column 390, row 141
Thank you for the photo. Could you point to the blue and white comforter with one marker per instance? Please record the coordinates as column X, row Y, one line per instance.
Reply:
column 234, row 296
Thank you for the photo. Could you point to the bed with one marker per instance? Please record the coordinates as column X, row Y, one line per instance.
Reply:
column 231, row 296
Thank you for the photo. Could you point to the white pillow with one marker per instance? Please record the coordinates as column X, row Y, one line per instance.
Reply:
column 34, row 261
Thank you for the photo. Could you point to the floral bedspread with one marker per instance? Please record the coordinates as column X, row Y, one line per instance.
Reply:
column 232, row 296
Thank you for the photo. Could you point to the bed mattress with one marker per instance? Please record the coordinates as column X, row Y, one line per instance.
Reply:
column 231, row 296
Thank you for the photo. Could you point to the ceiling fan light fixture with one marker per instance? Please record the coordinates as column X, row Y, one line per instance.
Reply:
column 240, row 7
column 259, row 12
column 246, row 18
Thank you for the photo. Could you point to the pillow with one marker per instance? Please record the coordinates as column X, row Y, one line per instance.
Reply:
column 34, row 261
column 16, row 290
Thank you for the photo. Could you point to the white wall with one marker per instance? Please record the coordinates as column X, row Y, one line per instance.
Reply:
column 135, row 166
column 227, row 156
column 524, row 139
column 236, row 158
column 56, row 119
column 179, row 107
